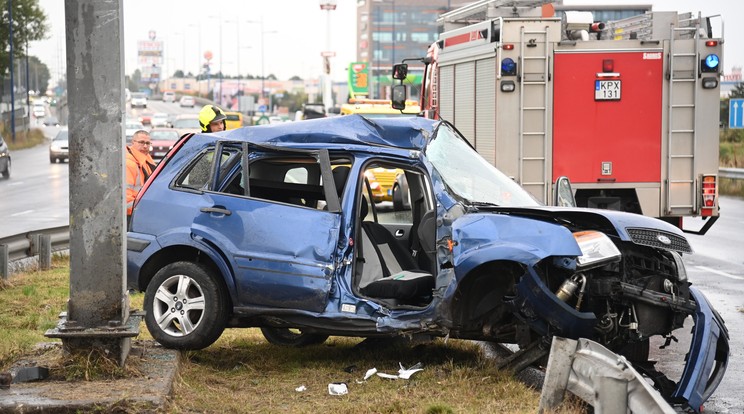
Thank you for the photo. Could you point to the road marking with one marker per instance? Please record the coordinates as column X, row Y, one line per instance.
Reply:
column 718, row 272
column 22, row 213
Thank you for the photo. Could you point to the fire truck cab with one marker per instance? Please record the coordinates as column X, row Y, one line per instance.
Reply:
column 627, row 110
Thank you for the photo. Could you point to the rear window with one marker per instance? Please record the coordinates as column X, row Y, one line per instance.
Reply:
column 187, row 123
column 164, row 135
column 232, row 117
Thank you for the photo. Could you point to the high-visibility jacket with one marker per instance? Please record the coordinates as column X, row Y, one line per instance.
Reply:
column 139, row 168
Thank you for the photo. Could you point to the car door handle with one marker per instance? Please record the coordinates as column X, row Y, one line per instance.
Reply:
column 218, row 210
column 399, row 233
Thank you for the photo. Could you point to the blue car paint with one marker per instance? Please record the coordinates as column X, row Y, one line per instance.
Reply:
column 709, row 338
column 324, row 295
column 485, row 237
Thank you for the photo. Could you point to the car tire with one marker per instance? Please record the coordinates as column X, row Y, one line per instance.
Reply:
column 6, row 173
column 52, row 160
column 185, row 292
column 291, row 337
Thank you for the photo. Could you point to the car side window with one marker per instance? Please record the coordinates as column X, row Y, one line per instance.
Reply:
column 196, row 177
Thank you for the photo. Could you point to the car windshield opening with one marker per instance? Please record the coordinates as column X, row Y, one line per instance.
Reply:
column 470, row 176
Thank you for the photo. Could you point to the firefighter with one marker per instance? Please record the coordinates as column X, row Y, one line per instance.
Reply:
column 139, row 166
column 211, row 119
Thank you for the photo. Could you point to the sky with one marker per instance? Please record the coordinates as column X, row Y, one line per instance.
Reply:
column 295, row 32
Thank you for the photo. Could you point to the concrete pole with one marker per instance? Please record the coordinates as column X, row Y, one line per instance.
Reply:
column 98, row 309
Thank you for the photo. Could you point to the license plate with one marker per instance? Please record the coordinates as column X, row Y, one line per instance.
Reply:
column 607, row 90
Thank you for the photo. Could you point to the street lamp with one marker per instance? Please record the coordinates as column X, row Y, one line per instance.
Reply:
column 263, row 33
column 219, row 23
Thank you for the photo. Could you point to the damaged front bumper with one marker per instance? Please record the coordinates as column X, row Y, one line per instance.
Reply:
column 708, row 355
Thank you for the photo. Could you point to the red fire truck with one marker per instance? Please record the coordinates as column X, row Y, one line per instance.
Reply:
column 627, row 110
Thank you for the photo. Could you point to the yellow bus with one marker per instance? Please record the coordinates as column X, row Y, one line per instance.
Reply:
column 376, row 108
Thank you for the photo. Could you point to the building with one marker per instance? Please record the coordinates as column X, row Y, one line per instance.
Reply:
column 389, row 31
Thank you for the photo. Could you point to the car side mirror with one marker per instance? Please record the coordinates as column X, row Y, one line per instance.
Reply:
column 400, row 93
column 563, row 193
column 400, row 71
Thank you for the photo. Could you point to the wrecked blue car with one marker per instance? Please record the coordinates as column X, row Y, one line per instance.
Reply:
column 275, row 227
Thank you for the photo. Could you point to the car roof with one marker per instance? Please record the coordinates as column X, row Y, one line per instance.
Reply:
column 401, row 133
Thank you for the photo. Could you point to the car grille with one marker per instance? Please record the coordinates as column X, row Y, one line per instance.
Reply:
column 650, row 237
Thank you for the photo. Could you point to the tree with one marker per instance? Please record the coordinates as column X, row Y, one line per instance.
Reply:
column 271, row 77
column 738, row 91
column 38, row 74
column 29, row 24
column 135, row 80
column 178, row 74
column 295, row 78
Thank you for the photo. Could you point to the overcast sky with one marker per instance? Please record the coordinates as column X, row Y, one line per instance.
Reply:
column 294, row 33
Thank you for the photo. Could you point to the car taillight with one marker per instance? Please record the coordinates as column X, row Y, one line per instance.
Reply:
column 710, row 193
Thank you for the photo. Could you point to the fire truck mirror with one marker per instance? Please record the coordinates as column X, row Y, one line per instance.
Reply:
column 563, row 195
column 400, row 71
column 400, row 93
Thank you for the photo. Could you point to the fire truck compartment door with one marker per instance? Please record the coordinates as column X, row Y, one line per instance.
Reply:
column 607, row 136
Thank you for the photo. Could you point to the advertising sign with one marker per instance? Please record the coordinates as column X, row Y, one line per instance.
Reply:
column 358, row 79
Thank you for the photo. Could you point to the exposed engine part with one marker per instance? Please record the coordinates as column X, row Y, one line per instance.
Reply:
column 568, row 289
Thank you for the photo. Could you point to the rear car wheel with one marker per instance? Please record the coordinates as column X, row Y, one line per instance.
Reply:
column 397, row 198
column 186, row 307
column 292, row 337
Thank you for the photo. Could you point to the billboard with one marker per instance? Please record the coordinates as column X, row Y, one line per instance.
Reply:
column 358, row 79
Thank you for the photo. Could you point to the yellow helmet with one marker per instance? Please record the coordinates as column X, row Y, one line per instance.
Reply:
column 209, row 114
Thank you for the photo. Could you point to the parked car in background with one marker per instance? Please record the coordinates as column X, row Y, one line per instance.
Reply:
column 233, row 120
column 130, row 128
column 169, row 96
column 51, row 121
column 59, row 147
column 145, row 118
column 162, row 141
column 159, row 120
column 39, row 110
column 187, row 101
column 187, row 123
column 139, row 100
column 4, row 158
column 272, row 227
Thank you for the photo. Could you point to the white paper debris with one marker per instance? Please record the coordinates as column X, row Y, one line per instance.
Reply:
column 338, row 388
column 370, row 372
column 301, row 388
column 406, row 373
column 388, row 376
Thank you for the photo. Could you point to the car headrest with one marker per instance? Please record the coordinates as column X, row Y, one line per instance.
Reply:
column 364, row 209
column 340, row 174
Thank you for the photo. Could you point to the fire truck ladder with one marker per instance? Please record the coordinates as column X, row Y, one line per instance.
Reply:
column 533, row 112
column 682, row 137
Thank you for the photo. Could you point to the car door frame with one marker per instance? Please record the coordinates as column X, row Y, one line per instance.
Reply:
column 291, row 263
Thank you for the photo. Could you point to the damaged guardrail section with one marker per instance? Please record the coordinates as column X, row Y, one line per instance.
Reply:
column 598, row 376
column 41, row 243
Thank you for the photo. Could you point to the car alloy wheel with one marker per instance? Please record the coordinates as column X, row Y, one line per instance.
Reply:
column 186, row 307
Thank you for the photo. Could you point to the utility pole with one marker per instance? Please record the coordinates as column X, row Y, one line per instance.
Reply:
column 97, row 316
column 12, row 80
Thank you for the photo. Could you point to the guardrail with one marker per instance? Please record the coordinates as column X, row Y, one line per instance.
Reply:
column 735, row 173
column 31, row 244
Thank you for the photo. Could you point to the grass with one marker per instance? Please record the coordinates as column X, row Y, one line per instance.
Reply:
column 242, row 372
column 24, row 139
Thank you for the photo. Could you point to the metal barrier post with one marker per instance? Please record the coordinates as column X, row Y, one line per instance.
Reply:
column 4, row 261
column 45, row 251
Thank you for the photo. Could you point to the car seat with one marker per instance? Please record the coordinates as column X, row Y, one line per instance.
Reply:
column 388, row 270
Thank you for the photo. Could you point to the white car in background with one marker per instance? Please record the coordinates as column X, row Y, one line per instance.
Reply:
column 139, row 99
column 39, row 110
column 159, row 120
column 131, row 127
column 187, row 100
column 59, row 147
column 169, row 96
